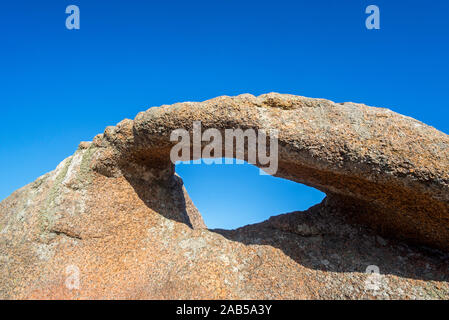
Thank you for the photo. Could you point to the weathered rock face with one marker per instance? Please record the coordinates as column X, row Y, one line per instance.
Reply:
column 117, row 217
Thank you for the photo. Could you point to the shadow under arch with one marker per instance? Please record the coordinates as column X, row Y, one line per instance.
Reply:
column 319, row 238
column 360, row 191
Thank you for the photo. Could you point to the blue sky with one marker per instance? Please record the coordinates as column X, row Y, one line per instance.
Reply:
column 59, row 86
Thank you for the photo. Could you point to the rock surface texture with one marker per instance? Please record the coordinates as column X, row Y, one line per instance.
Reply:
column 115, row 221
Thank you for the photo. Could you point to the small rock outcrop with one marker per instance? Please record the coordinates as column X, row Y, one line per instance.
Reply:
column 115, row 221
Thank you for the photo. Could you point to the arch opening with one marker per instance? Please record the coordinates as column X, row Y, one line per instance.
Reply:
column 229, row 196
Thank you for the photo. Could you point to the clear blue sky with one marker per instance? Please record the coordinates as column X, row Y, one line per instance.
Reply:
column 59, row 86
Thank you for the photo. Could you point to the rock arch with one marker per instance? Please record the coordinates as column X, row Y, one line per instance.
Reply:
column 377, row 167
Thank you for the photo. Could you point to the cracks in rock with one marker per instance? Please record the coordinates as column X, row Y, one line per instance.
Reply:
column 67, row 234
